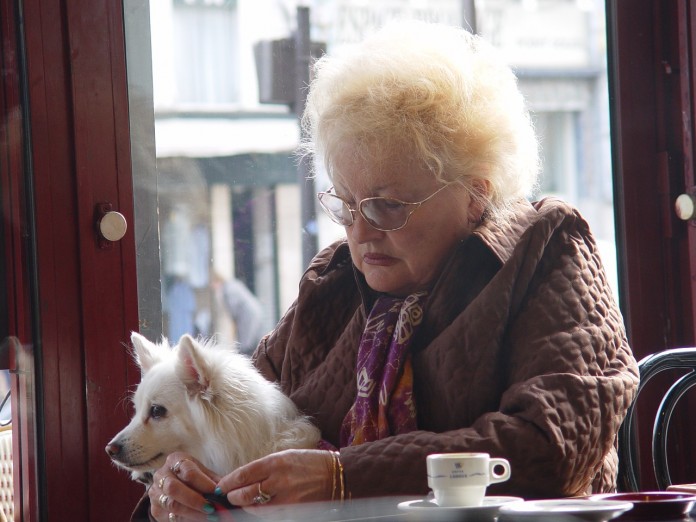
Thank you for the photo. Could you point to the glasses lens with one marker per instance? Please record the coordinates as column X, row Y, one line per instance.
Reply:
column 384, row 213
column 336, row 208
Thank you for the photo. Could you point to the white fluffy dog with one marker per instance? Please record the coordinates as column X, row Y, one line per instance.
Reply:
column 207, row 401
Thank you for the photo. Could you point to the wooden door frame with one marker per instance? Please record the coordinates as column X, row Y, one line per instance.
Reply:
column 651, row 98
column 80, row 152
column 17, row 335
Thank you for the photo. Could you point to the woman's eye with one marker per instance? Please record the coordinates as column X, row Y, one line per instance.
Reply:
column 391, row 204
column 157, row 411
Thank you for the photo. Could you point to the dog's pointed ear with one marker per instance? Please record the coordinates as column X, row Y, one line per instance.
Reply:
column 192, row 368
column 144, row 351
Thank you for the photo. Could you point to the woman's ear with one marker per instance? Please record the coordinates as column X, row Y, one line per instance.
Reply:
column 480, row 192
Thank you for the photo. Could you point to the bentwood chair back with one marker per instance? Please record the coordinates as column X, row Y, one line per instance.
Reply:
column 673, row 359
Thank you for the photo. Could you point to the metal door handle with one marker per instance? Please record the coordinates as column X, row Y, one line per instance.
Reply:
column 685, row 207
column 111, row 225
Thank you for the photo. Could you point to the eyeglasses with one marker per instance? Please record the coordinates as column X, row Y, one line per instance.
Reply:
column 385, row 214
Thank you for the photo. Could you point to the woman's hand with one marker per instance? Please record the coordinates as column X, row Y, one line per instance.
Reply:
column 176, row 493
column 287, row 477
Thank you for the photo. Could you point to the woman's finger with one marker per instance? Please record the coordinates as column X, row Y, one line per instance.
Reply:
column 288, row 477
column 178, row 487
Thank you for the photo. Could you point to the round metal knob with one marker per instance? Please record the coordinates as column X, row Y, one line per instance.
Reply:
column 113, row 226
column 685, row 207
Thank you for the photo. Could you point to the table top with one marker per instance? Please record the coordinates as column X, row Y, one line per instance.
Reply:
column 386, row 509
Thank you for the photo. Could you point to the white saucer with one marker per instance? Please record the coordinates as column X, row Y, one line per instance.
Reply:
column 583, row 509
column 429, row 510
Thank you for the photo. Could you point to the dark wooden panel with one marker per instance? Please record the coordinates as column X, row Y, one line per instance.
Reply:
column 651, row 91
column 16, row 251
column 88, row 298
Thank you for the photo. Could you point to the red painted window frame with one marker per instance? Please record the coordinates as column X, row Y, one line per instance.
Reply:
column 653, row 92
column 80, row 159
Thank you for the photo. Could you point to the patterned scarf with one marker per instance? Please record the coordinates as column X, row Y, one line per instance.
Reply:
column 384, row 405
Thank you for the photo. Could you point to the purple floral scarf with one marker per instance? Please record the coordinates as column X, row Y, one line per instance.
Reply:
column 384, row 405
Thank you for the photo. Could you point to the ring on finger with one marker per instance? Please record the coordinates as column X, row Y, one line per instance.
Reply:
column 172, row 517
column 163, row 499
column 161, row 482
column 177, row 467
column 262, row 497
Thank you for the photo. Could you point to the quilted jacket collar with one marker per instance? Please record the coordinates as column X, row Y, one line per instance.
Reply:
column 501, row 239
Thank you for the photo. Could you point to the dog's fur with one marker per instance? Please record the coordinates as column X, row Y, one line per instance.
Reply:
column 208, row 401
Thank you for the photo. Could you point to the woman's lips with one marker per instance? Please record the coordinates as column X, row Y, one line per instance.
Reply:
column 378, row 259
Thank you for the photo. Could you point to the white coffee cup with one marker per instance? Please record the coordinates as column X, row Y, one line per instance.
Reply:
column 461, row 479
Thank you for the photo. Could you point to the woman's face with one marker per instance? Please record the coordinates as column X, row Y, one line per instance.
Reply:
column 403, row 261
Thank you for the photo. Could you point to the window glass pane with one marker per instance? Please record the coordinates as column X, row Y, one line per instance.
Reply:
column 228, row 191
column 206, row 56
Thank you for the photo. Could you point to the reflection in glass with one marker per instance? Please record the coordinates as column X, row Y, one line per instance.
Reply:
column 225, row 195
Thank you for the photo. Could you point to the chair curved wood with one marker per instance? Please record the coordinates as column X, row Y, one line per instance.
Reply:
column 672, row 359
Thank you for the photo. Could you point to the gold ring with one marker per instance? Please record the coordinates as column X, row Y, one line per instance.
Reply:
column 163, row 499
column 161, row 482
column 172, row 517
column 176, row 467
column 262, row 497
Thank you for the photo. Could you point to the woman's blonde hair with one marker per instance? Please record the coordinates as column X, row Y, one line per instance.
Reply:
column 431, row 92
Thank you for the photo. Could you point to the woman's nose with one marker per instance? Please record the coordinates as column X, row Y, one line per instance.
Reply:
column 361, row 231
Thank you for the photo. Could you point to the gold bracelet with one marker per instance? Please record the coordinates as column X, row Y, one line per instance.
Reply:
column 333, row 475
column 340, row 477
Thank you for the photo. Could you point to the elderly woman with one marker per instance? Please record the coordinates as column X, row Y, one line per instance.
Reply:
column 455, row 316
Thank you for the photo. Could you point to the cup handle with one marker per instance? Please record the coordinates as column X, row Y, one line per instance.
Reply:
column 498, row 477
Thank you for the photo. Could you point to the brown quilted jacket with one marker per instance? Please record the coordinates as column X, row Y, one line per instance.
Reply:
column 522, row 354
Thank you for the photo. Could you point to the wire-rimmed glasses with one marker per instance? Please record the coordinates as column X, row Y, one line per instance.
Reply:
column 385, row 214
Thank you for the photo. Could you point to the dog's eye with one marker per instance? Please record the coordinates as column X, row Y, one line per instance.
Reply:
column 157, row 411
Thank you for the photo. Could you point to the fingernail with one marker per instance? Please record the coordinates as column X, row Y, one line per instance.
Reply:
column 212, row 518
column 218, row 491
column 208, row 508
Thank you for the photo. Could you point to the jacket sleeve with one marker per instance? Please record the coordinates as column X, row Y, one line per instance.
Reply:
column 568, row 373
column 300, row 340
column 572, row 374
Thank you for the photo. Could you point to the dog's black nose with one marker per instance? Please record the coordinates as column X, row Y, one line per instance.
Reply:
column 113, row 449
